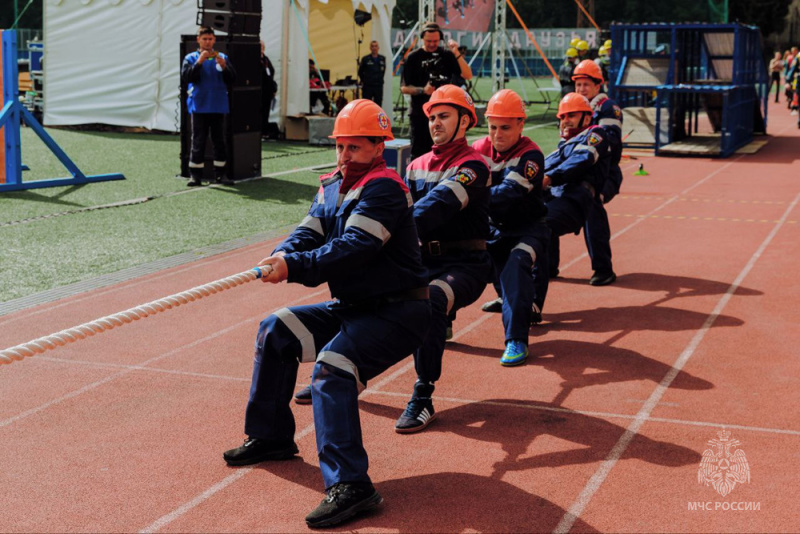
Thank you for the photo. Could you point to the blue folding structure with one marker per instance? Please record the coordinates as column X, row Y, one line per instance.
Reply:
column 682, row 70
column 12, row 115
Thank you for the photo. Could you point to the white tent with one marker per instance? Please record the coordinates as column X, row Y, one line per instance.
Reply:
column 117, row 61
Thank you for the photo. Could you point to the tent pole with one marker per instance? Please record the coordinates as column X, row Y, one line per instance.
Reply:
column 285, row 62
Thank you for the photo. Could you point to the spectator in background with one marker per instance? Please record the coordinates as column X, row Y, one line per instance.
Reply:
column 208, row 74
column 268, row 90
column 583, row 50
column 788, row 73
column 775, row 68
column 371, row 71
column 565, row 71
column 426, row 69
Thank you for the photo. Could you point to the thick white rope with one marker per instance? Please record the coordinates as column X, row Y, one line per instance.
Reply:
column 42, row 344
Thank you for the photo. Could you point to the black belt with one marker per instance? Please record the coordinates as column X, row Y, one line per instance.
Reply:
column 420, row 293
column 589, row 187
column 438, row 248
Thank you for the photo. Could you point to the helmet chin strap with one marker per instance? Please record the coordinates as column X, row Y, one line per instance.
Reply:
column 569, row 133
column 455, row 133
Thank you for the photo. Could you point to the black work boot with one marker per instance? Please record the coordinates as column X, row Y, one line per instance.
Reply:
column 303, row 396
column 493, row 306
column 255, row 450
column 195, row 177
column 419, row 413
column 343, row 501
column 219, row 176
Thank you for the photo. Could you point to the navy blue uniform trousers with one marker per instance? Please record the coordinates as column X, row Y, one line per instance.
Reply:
column 522, row 269
column 454, row 285
column 597, row 234
column 567, row 215
column 351, row 345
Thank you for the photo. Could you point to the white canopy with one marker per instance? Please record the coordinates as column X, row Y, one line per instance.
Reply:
column 118, row 61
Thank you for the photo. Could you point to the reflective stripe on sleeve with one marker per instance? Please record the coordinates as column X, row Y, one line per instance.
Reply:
column 430, row 176
column 591, row 149
column 458, row 190
column 448, row 292
column 340, row 361
column 312, row 223
column 353, row 194
column 516, row 177
column 610, row 122
column 371, row 226
column 298, row 330
column 527, row 248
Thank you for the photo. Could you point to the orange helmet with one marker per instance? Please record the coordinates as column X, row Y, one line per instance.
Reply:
column 588, row 69
column 573, row 102
column 362, row 118
column 452, row 95
column 506, row 104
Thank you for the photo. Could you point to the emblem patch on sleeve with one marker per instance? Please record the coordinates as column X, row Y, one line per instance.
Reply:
column 465, row 176
column 531, row 170
column 617, row 112
column 594, row 139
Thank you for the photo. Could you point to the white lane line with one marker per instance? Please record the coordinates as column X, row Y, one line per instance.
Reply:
column 224, row 483
column 124, row 372
column 658, row 208
column 604, row 415
column 106, row 365
column 577, row 507
column 165, row 520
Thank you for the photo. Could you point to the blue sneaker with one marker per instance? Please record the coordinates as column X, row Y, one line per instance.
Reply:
column 515, row 354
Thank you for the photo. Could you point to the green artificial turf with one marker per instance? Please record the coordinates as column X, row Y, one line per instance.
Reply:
column 50, row 240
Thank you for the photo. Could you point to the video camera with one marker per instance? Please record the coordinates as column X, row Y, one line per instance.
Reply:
column 437, row 73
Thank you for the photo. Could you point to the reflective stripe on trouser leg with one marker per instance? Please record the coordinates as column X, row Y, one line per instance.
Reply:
column 368, row 343
column 517, row 281
column 449, row 293
column 597, row 234
column 342, row 457
column 283, row 339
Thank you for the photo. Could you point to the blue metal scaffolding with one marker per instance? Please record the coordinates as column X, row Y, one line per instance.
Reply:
column 685, row 70
column 12, row 114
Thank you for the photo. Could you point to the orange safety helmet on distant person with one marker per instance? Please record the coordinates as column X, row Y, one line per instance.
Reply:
column 573, row 102
column 506, row 104
column 452, row 95
column 362, row 118
column 588, row 69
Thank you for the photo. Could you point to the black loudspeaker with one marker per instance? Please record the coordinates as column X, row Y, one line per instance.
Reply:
column 242, row 6
column 361, row 17
column 245, row 155
column 246, row 59
column 245, row 114
column 237, row 23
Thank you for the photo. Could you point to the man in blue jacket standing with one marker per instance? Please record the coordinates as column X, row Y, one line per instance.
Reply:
column 208, row 74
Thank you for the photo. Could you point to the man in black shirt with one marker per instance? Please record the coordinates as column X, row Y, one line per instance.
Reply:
column 425, row 70
column 370, row 72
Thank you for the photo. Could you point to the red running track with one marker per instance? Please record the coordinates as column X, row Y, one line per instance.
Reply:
column 603, row 431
